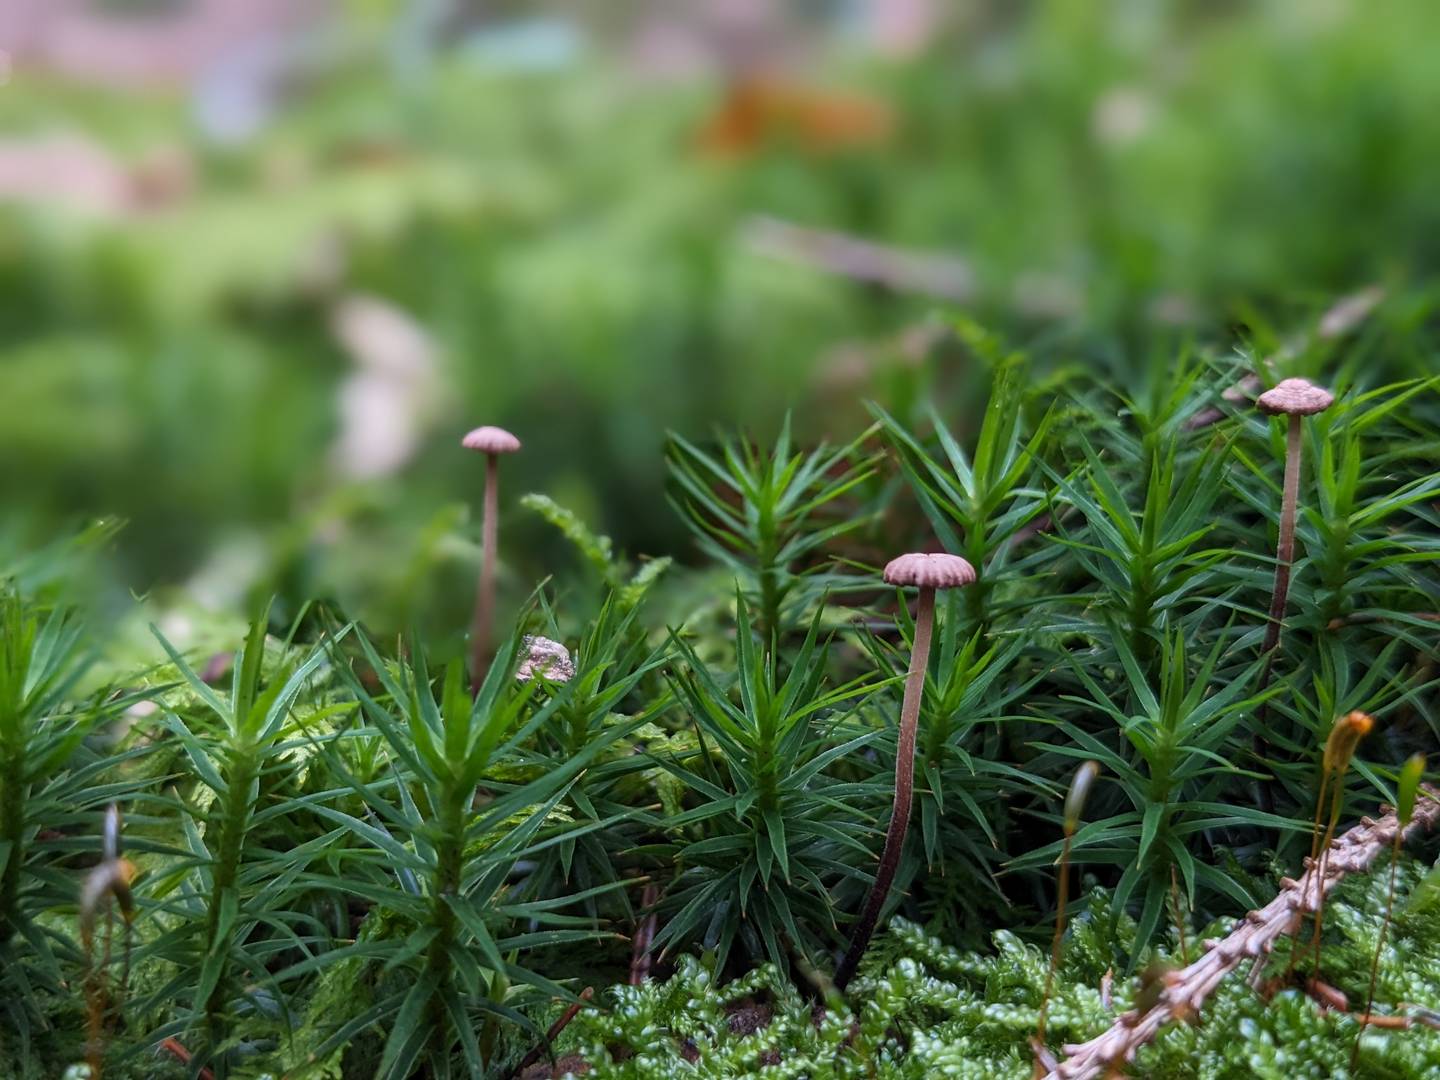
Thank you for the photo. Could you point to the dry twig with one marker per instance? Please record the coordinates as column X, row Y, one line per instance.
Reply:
column 1186, row 990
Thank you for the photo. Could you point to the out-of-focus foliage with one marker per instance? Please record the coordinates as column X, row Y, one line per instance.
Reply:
column 586, row 271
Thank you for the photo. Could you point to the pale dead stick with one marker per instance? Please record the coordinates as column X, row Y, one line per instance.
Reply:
column 1186, row 990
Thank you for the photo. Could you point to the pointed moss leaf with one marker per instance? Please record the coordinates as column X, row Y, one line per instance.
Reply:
column 1408, row 787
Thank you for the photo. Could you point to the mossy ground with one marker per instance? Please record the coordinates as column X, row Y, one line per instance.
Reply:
column 923, row 1009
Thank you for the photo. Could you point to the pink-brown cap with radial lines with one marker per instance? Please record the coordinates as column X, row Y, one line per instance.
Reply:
column 929, row 571
column 1295, row 397
column 491, row 440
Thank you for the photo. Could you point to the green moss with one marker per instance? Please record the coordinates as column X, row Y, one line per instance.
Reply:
column 923, row 1009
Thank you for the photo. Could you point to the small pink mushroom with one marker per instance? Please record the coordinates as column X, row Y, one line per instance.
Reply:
column 492, row 442
column 927, row 572
column 1293, row 398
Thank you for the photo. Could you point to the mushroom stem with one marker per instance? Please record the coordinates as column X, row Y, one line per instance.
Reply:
column 485, row 597
column 1285, row 550
column 904, row 790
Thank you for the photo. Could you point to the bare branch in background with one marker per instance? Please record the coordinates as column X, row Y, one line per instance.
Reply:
column 948, row 277
column 644, row 936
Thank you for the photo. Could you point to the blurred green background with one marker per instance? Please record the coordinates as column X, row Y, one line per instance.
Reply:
column 262, row 263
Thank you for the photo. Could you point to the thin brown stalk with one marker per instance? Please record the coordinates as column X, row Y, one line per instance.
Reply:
column 1062, row 900
column 1340, row 745
column 108, row 881
column 1279, row 593
column 176, row 1049
column 1285, row 549
column 644, row 936
column 1335, row 802
column 1365, row 1018
column 1075, row 799
column 485, row 599
column 1313, row 860
column 904, row 791
column 1407, row 790
column 554, row 1033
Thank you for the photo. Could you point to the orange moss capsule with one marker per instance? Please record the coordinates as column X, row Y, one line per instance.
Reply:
column 1344, row 737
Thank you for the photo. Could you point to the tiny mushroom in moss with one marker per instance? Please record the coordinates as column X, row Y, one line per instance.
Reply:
column 492, row 442
column 927, row 572
column 1294, row 398
column 545, row 658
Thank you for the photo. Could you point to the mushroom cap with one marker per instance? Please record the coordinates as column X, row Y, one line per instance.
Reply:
column 546, row 658
column 491, row 440
column 1295, row 397
column 929, row 571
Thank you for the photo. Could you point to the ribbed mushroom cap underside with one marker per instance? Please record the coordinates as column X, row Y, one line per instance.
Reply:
column 491, row 440
column 1295, row 397
column 934, row 570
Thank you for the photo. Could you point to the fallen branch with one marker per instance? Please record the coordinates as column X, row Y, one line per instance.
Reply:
column 1185, row 990
column 929, row 273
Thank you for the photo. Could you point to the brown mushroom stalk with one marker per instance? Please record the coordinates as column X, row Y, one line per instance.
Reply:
column 1285, row 549
column 928, row 572
column 492, row 442
column 1293, row 398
